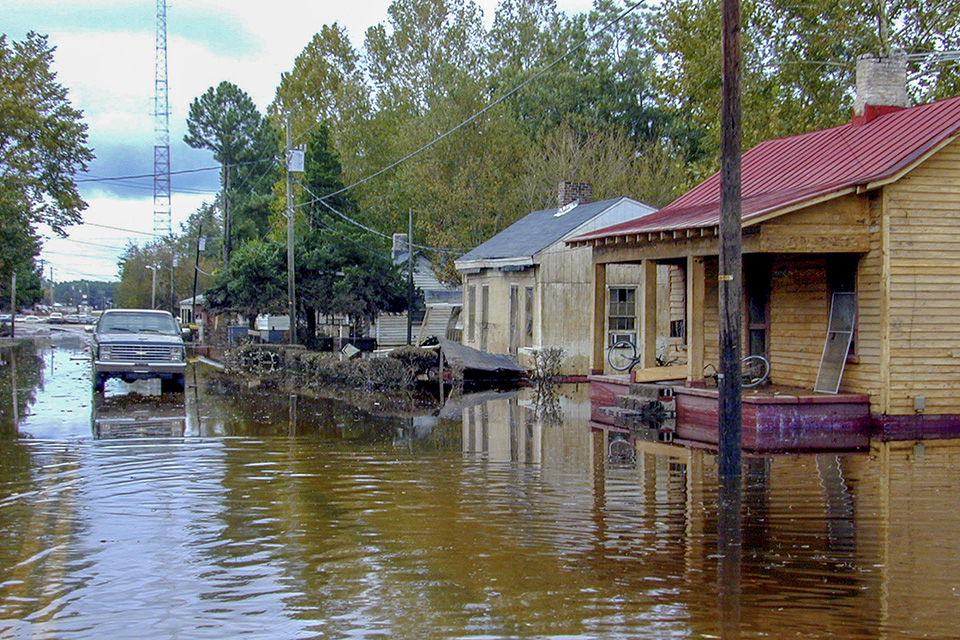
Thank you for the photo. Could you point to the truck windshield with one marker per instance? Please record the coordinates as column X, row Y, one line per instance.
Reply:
column 139, row 323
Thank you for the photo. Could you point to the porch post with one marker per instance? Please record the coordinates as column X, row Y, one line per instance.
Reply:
column 696, row 293
column 648, row 314
column 599, row 315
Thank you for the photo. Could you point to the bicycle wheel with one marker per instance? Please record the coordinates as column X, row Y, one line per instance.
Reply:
column 754, row 371
column 622, row 356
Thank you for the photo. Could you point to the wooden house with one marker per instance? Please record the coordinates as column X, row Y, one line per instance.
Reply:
column 526, row 289
column 865, row 213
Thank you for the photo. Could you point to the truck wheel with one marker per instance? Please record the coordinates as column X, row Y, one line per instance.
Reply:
column 99, row 380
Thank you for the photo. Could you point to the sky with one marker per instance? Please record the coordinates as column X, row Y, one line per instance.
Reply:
column 105, row 55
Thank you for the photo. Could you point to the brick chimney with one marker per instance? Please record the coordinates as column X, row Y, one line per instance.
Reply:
column 881, row 86
column 567, row 192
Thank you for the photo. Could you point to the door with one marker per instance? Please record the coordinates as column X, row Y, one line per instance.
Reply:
column 756, row 284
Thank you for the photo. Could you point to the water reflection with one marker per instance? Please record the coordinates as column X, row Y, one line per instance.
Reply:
column 21, row 374
column 133, row 415
column 313, row 518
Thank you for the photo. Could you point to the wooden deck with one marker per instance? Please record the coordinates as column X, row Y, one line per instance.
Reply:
column 774, row 418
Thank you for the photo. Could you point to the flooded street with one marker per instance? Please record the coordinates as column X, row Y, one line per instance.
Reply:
column 230, row 512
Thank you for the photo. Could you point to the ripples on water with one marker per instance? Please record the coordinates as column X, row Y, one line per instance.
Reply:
column 349, row 530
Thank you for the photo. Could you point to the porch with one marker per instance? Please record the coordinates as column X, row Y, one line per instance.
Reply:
column 775, row 418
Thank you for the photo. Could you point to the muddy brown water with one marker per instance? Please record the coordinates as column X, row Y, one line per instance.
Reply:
column 226, row 512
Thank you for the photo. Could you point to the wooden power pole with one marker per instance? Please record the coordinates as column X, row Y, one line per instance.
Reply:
column 291, row 274
column 731, row 261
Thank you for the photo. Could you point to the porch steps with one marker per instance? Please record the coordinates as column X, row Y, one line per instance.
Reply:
column 649, row 412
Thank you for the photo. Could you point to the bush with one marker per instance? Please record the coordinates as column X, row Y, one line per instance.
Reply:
column 316, row 370
column 418, row 361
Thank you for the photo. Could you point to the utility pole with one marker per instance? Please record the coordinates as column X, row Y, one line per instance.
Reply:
column 153, row 286
column 731, row 269
column 291, row 275
column 174, row 307
column 410, row 277
column 225, row 204
column 196, row 271
column 13, row 308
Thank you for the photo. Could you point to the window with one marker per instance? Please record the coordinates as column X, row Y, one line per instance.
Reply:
column 471, row 312
column 528, row 317
column 622, row 314
column 514, row 310
column 676, row 329
column 484, row 315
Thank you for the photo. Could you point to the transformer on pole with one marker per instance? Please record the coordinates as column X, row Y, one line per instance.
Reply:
column 161, row 130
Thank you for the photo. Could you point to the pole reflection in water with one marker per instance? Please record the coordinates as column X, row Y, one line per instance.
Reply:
column 730, row 554
column 15, row 400
column 483, row 521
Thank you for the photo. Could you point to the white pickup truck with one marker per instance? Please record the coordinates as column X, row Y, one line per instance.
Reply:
column 136, row 344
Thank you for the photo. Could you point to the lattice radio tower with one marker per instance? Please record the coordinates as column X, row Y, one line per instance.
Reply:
column 161, row 130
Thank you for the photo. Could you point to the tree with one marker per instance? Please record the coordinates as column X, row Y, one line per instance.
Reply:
column 326, row 84
column 798, row 61
column 43, row 144
column 225, row 121
column 340, row 270
column 253, row 282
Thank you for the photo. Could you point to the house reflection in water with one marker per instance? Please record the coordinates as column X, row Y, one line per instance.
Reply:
column 860, row 543
column 517, row 426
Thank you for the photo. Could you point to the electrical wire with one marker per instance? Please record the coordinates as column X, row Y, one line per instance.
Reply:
column 602, row 29
column 368, row 229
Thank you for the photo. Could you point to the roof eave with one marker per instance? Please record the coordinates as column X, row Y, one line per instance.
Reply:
column 493, row 263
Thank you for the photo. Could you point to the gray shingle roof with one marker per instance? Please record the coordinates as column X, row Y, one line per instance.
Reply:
column 536, row 231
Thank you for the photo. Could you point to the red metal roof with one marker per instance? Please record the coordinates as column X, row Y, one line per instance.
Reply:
column 788, row 172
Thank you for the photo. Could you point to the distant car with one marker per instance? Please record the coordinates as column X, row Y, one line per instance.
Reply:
column 55, row 318
column 71, row 318
column 137, row 344
column 5, row 317
column 31, row 319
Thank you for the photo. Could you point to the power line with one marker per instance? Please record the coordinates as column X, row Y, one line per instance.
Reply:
column 321, row 200
column 491, row 105
column 106, row 226
column 143, row 176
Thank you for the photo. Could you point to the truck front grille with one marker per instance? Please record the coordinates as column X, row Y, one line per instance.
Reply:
column 140, row 353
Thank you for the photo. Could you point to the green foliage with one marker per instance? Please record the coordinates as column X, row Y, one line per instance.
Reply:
column 798, row 61
column 43, row 144
column 29, row 288
column 226, row 121
column 254, row 281
column 98, row 295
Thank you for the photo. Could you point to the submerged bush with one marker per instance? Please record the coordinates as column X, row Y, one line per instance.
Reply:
column 390, row 373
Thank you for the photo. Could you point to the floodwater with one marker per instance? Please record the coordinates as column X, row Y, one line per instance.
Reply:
column 227, row 512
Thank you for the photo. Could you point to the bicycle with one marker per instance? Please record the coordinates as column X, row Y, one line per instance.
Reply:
column 754, row 371
column 623, row 356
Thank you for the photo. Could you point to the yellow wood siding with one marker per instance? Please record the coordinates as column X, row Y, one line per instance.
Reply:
column 711, row 313
column 864, row 375
column 923, row 214
column 799, row 308
column 838, row 225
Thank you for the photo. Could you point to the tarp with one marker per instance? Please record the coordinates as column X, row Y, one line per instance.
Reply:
column 470, row 359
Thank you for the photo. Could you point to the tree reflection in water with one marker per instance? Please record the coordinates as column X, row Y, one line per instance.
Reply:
column 21, row 373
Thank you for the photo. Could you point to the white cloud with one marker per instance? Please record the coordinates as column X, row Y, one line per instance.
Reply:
column 105, row 57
